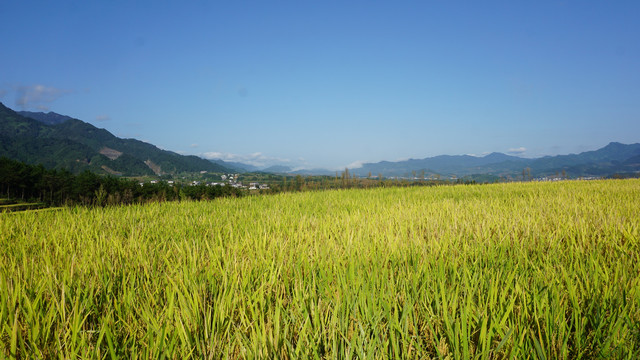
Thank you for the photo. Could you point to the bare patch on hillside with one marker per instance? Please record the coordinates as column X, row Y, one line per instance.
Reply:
column 110, row 153
column 110, row 171
column 154, row 167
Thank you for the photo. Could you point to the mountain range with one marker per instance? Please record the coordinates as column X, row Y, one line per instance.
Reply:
column 613, row 158
column 59, row 141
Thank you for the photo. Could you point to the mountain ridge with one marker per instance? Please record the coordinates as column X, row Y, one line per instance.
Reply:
column 612, row 158
column 49, row 118
column 60, row 141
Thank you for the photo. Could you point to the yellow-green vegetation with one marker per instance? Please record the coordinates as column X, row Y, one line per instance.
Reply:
column 21, row 207
column 521, row 270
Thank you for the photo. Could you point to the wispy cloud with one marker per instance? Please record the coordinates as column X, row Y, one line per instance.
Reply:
column 103, row 118
column 37, row 96
column 517, row 151
column 194, row 146
column 356, row 164
column 481, row 155
column 256, row 159
column 3, row 92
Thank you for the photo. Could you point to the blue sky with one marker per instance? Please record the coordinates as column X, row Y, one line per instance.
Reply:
column 331, row 84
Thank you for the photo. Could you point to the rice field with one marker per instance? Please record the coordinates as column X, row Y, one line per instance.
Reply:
column 503, row 271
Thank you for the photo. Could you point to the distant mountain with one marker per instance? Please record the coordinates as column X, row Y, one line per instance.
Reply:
column 58, row 141
column 459, row 165
column 273, row 169
column 236, row 166
column 277, row 169
column 49, row 118
column 324, row 172
column 611, row 159
column 633, row 161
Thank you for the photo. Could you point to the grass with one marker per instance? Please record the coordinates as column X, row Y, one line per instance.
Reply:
column 21, row 207
column 521, row 270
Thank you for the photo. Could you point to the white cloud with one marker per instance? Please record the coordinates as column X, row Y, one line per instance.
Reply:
column 481, row 155
column 37, row 95
column 517, row 151
column 103, row 117
column 256, row 159
column 194, row 145
column 355, row 165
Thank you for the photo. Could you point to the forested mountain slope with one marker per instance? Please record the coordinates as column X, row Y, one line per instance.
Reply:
column 58, row 141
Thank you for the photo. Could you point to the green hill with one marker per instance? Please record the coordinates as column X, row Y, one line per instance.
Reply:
column 58, row 141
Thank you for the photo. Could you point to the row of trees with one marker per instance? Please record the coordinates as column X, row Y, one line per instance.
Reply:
column 348, row 180
column 35, row 183
column 54, row 187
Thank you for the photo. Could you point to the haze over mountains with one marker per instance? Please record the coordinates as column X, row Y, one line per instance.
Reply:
column 613, row 158
column 59, row 141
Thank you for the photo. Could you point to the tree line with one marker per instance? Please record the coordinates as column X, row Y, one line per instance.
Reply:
column 348, row 180
column 56, row 187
